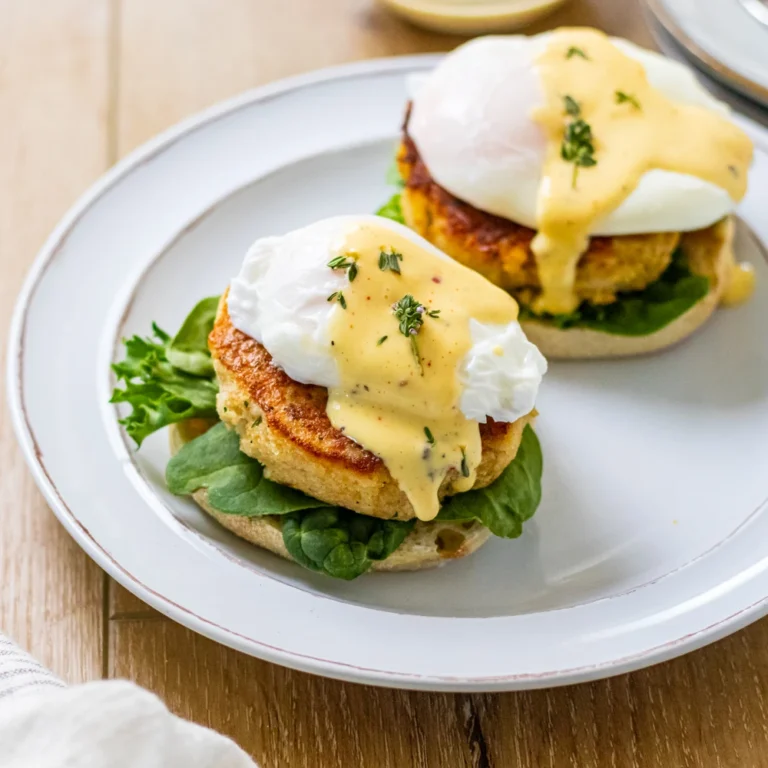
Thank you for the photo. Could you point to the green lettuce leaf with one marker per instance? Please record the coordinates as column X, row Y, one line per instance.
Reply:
column 341, row 543
column 320, row 537
column 507, row 503
column 188, row 349
column 235, row 482
column 638, row 313
column 393, row 177
column 392, row 209
column 163, row 378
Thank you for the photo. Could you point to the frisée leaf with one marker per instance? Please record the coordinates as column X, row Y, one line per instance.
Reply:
column 167, row 380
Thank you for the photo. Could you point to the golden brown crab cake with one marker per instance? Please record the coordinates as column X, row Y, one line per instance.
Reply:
column 283, row 424
column 500, row 249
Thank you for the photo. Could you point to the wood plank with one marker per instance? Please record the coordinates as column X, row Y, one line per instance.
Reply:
column 285, row 718
column 706, row 708
column 53, row 102
column 124, row 605
column 178, row 57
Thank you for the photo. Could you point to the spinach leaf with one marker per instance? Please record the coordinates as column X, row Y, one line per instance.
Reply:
column 638, row 313
column 341, row 543
column 509, row 501
column 332, row 540
column 235, row 482
column 188, row 349
column 159, row 392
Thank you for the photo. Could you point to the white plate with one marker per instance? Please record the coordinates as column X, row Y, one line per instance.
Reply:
column 651, row 536
column 672, row 48
column 729, row 38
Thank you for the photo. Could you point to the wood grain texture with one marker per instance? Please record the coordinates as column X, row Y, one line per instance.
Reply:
column 84, row 81
column 286, row 718
column 53, row 103
column 705, row 709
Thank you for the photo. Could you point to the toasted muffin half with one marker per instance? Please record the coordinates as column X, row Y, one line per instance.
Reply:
column 428, row 545
column 283, row 424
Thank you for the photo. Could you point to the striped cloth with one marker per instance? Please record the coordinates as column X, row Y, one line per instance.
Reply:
column 105, row 724
column 19, row 672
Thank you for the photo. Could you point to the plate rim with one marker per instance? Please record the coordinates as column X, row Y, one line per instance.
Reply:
column 185, row 616
column 722, row 71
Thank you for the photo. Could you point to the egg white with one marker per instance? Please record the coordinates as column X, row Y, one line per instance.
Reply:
column 471, row 122
column 280, row 297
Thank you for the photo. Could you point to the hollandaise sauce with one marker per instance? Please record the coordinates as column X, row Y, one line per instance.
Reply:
column 606, row 126
column 399, row 333
column 741, row 284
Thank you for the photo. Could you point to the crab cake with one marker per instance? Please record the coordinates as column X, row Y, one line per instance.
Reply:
column 284, row 425
column 500, row 249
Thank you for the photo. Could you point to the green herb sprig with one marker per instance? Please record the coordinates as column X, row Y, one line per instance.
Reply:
column 577, row 146
column 430, row 437
column 411, row 314
column 390, row 261
column 349, row 264
column 464, row 462
column 338, row 296
column 627, row 98
column 571, row 106
column 575, row 51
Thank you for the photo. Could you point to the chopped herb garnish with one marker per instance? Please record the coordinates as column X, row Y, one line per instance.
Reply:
column 381, row 340
column 257, row 421
column 411, row 315
column 464, row 464
column 627, row 98
column 390, row 260
column 574, row 51
column 572, row 107
column 245, row 403
column 338, row 296
column 577, row 147
column 430, row 436
column 342, row 262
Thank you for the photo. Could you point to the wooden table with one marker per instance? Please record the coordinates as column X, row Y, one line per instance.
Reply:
column 82, row 82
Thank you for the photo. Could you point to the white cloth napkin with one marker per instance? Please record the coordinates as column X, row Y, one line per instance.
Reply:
column 114, row 724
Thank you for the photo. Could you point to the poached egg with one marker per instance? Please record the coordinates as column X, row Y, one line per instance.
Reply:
column 472, row 122
column 280, row 298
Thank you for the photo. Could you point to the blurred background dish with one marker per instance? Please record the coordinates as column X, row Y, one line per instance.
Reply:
column 728, row 39
column 739, row 102
column 472, row 17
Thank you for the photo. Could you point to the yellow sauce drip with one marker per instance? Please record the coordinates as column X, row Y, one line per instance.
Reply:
column 741, row 284
column 643, row 132
column 386, row 398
